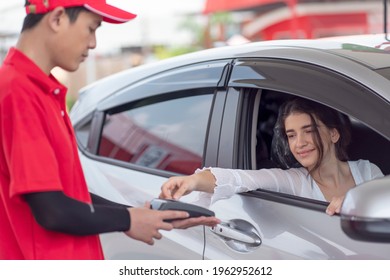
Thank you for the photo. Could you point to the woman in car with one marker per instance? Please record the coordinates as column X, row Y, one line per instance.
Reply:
column 309, row 142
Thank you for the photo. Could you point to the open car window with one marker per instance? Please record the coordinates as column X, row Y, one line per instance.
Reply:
column 365, row 142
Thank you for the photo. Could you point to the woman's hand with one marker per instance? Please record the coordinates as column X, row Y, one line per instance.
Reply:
column 335, row 205
column 176, row 187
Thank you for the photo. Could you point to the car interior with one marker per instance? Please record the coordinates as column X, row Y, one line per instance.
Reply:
column 365, row 142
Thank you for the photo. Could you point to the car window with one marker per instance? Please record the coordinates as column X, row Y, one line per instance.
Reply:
column 165, row 134
column 365, row 142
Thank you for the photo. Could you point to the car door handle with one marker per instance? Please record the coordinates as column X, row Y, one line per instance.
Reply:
column 227, row 232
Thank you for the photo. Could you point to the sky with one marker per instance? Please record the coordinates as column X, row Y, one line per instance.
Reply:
column 156, row 22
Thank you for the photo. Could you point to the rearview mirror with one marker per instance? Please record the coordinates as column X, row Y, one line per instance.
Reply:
column 365, row 213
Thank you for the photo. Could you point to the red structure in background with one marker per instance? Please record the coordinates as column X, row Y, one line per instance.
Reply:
column 213, row 6
column 303, row 19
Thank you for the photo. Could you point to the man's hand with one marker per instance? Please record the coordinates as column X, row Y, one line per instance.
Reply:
column 192, row 222
column 146, row 223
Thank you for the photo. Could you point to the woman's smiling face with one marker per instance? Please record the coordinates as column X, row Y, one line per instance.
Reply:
column 300, row 132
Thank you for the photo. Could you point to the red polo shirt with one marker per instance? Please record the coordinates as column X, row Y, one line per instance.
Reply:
column 38, row 153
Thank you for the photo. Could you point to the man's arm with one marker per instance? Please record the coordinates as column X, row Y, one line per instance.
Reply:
column 58, row 212
column 55, row 211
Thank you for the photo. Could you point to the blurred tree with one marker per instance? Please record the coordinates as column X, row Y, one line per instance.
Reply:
column 220, row 22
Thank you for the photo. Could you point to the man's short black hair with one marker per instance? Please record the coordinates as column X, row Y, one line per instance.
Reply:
column 31, row 20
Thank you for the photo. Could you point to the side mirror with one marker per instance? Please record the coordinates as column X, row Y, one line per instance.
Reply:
column 365, row 213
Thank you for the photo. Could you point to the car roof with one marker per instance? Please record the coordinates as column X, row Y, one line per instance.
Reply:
column 324, row 52
column 379, row 41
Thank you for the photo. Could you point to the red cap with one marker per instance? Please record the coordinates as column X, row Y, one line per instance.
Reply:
column 109, row 13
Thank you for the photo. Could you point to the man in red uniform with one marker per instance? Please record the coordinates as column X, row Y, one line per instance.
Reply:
column 46, row 211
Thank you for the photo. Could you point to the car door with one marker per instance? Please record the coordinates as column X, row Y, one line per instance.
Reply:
column 150, row 130
column 270, row 225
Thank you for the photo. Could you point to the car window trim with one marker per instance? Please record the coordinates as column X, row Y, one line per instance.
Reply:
column 95, row 132
column 152, row 86
column 256, row 79
column 213, row 132
column 289, row 199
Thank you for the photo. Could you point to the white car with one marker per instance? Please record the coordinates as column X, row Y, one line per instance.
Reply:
column 217, row 108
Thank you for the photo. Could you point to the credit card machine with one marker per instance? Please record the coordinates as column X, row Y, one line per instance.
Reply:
column 169, row 204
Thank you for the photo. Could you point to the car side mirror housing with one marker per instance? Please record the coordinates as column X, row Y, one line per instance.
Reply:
column 365, row 213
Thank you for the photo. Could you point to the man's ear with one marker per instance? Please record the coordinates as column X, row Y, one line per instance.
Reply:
column 56, row 18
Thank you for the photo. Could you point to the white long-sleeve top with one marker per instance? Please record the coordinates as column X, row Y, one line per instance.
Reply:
column 295, row 181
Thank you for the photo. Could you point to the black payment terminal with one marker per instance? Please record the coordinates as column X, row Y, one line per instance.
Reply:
column 169, row 204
